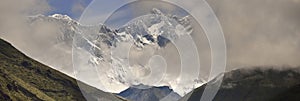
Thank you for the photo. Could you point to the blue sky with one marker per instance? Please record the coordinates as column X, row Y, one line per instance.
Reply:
column 72, row 8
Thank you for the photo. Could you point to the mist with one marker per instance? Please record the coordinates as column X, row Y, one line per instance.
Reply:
column 37, row 40
column 260, row 32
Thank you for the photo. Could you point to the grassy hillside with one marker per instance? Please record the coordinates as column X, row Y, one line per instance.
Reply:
column 22, row 78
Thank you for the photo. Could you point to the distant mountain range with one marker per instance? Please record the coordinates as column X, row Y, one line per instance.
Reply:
column 150, row 94
column 25, row 79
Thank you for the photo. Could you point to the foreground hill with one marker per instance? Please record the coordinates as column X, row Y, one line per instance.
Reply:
column 22, row 79
column 255, row 85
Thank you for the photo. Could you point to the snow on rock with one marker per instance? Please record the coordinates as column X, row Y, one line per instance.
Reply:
column 146, row 34
column 60, row 16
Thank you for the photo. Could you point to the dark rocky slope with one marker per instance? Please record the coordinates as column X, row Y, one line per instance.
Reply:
column 255, row 85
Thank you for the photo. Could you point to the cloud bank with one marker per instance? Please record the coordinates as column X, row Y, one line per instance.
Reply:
column 13, row 14
column 38, row 40
column 260, row 32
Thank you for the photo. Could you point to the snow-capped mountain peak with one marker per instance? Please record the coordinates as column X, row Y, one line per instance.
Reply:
column 60, row 16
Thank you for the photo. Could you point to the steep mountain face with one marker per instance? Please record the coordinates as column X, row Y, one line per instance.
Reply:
column 22, row 78
column 255, row 85
column 150, row 94
column 122, row 57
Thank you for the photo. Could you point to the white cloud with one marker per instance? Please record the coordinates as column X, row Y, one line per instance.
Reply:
column 37, row 40
column 13, row 13
column 260, row 32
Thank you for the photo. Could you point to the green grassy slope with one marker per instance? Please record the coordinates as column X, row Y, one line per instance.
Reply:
column 22, row 78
